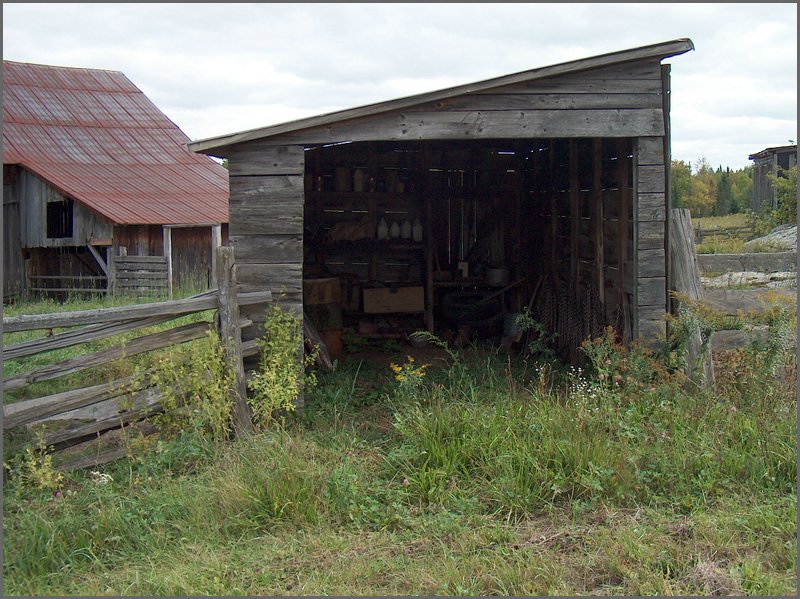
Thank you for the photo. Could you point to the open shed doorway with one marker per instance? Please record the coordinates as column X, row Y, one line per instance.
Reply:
column 457, row 238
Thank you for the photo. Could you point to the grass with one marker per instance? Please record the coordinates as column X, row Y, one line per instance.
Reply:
column 729, row 244
column 481, row 474
column 721, row 222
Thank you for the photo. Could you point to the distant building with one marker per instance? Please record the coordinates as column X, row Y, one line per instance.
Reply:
column 93, row 171
column 770, row 161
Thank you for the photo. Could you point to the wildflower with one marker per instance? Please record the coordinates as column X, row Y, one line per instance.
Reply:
column 58, row 495
column 101, row 478
column 405, row 482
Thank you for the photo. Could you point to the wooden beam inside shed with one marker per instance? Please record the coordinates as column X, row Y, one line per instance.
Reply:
column 574, row 215
column 597, row 220
column 624, row 204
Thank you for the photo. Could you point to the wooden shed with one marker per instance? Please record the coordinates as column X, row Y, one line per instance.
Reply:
column 99, row 186
column 544, row 189
column 774, row 162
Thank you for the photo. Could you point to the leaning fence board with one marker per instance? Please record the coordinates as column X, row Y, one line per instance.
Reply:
column 174, row 336
column 106, row 415
column 95, row 460
column 173, row 308
column 30, row 410
column 76, row 337
column 103, row 331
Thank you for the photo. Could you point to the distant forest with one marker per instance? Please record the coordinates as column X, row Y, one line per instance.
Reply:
column 710, row 192
column 706, row 191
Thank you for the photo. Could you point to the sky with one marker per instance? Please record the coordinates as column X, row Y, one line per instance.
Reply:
column 217, row 68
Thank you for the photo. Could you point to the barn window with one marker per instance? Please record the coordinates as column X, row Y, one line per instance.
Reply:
column 59, row 219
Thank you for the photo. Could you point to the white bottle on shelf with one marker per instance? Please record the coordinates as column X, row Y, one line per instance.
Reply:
column 417, row 231
column 394, row 230
column 383, row 229
column 405, row 230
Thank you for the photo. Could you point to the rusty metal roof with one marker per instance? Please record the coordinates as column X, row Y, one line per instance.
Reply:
column 94, row 136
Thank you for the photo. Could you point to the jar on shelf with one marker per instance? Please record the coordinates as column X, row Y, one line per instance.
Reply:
column 359, row 180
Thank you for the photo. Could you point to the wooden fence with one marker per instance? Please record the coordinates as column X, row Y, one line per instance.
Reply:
column 139, row 275
column 744, row 231
column 91, row 411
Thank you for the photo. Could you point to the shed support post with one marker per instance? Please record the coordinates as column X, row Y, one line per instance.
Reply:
column 231, row 336
column 168, row 255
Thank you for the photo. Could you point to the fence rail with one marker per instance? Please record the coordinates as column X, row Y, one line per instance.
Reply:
column 702, row 233
column 68, row 283
column 90, row 411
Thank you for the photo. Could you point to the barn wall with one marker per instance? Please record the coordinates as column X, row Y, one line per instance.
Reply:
column 140, row 240
column 13, row 271
column 763, row 195
column 34, row 195
column 191, row 256
column 191, row 249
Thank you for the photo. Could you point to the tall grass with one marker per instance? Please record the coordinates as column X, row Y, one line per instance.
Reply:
column 488, row 476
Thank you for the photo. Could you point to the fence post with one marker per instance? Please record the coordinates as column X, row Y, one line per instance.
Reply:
column 231, row 336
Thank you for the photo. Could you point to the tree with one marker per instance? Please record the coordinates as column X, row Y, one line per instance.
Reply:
column 702, row 194
column 742, row 186
column 680, row 181
column 723, row 193
column 785, row 185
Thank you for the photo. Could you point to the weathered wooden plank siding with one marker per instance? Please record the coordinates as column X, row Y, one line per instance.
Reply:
column 266, row 223
column 419, row 126
column 13, row 269
column 651, row 255
column 251, row 159
column 618, row 101
column 34, row 195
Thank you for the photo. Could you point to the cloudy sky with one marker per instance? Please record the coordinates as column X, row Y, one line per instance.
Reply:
column 220, row 68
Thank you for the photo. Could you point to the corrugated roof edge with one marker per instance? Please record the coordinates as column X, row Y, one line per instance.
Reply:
column 217, row 146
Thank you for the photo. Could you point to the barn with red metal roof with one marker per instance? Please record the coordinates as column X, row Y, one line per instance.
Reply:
column 96, row 176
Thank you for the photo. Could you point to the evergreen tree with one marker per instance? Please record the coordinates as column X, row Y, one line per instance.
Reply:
column 723, row 193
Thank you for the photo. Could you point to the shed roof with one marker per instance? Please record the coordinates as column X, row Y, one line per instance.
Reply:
column 94, row 136
column 770, row 151
column 219, row 145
